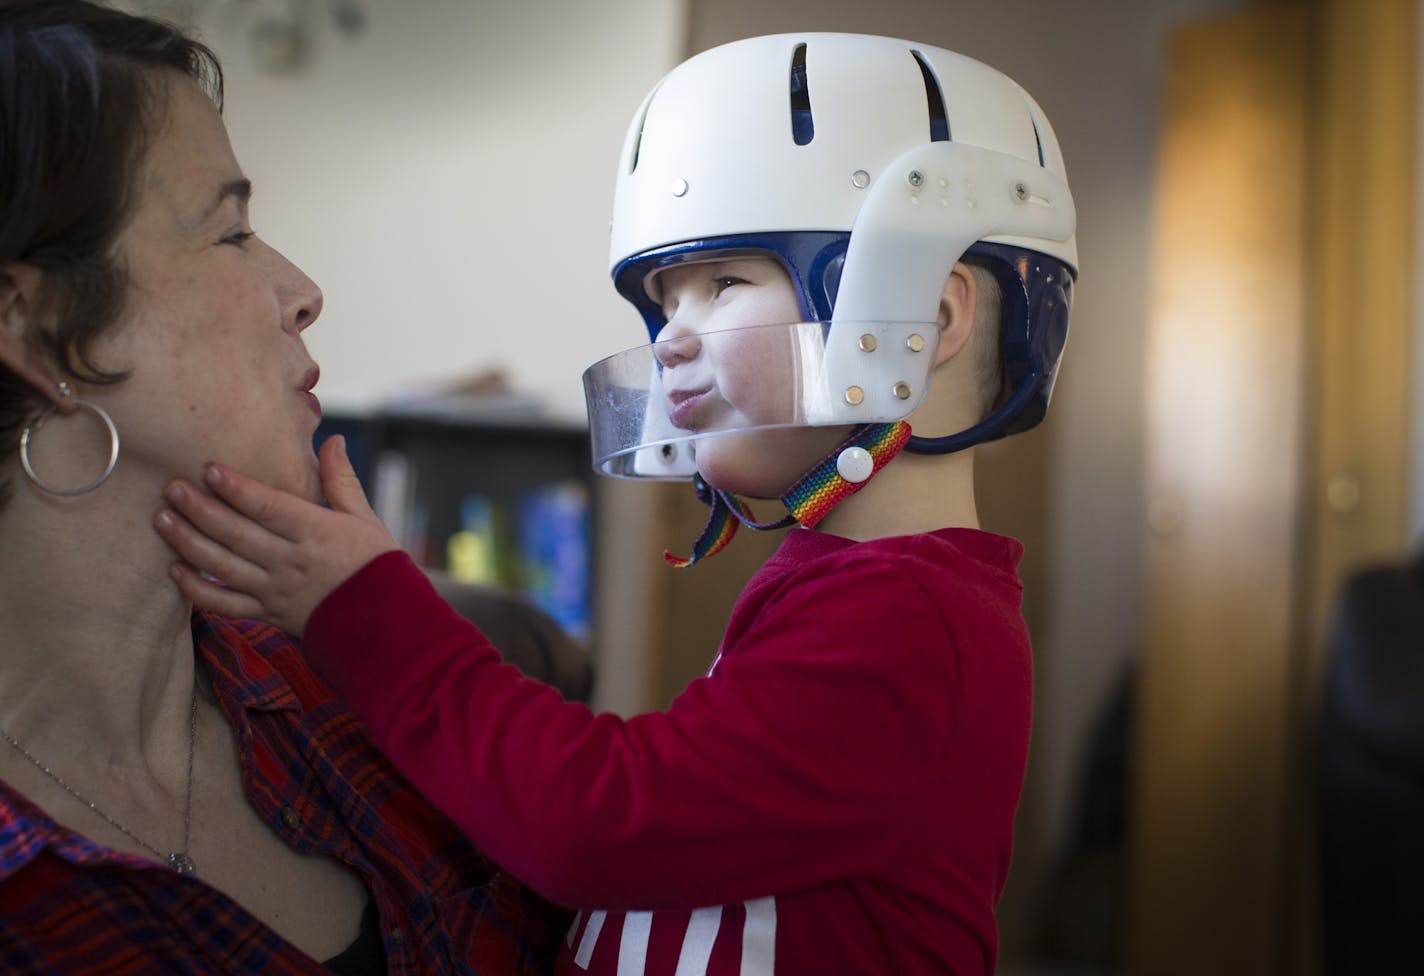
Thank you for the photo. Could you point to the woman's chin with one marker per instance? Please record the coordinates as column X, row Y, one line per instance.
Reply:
column 300, row 477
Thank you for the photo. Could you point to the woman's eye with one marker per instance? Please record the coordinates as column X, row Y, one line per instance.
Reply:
column 238, row 237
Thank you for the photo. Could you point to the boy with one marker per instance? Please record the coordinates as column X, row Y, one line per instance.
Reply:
column 837, row 795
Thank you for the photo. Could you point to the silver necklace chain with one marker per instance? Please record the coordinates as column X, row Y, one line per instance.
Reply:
column 177, row 860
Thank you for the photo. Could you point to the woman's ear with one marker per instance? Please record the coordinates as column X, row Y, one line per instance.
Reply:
column 19, row 297
column 957, row 304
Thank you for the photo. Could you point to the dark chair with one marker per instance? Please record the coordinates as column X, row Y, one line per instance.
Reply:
column 526, row 637
column 1371, row 775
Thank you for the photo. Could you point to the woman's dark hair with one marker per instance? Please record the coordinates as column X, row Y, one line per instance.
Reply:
column 78, row 90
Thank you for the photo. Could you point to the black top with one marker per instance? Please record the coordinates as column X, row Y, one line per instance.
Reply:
column 367, row 955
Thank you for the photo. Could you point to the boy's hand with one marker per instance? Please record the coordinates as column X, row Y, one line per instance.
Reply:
column 277, row 556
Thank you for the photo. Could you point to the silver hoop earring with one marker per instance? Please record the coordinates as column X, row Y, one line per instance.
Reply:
column 33, row 427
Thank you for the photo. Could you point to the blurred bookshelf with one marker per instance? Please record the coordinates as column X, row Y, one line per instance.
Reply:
column 502, row 498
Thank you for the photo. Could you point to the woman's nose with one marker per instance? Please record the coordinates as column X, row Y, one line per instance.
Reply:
column 678, row 342
column 307, row 304
column 300, row 296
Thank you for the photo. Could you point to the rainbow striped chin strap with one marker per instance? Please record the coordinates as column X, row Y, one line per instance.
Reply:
column 840, row 474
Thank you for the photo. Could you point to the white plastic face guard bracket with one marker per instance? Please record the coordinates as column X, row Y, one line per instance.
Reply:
column 918, row 218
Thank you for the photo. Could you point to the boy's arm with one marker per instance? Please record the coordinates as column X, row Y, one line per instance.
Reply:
column 276, row 555
column 795, row 763
column 783, row 770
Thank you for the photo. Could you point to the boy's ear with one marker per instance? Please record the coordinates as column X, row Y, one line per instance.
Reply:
column 19, row 298
column 957, row 305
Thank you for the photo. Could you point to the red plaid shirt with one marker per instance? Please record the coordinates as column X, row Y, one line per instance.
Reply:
column 310, row 770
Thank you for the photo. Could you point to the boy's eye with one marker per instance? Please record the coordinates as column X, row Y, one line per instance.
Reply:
column 727, row 281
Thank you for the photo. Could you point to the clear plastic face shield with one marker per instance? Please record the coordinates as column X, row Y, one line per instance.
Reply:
column 650, row 406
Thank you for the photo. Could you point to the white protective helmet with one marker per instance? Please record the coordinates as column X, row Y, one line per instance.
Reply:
column 868, row 166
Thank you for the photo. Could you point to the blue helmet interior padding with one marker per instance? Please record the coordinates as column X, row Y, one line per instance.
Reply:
column 811, row 258
column 1037, row 295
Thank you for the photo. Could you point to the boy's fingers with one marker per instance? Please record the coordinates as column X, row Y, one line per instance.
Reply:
column 274, row 510
column 204, row 555
column 339, row 484
column 220, row 522
column 208, row 595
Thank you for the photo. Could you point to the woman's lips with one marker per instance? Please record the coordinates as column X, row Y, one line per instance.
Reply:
column 309, row 381
column 312, row 402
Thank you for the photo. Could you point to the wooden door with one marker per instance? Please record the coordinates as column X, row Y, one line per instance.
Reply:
column 1276, row 431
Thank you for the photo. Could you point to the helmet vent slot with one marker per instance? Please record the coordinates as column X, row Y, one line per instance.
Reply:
column 638, row 139
column 1037, row 136
column 934, row 98
column 803, row 126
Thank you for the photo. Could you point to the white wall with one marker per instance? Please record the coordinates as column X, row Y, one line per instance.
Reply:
column 446, row 178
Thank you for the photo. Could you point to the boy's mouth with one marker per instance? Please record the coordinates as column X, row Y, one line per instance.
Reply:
column 683, row 404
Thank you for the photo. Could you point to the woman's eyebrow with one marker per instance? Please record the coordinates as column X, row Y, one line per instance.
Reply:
column 240, row 190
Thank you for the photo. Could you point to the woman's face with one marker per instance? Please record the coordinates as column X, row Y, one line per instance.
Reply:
column 212, row 325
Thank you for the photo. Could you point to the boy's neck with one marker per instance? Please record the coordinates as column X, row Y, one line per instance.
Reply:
column 914, row 493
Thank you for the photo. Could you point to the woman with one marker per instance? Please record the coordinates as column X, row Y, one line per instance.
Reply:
column 177, row 792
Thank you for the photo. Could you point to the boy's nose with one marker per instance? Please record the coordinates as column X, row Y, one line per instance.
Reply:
column 678, row 342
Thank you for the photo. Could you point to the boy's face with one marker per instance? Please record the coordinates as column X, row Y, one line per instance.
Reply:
column 726, row 367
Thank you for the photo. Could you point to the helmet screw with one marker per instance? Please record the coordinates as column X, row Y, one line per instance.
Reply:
column 679, row 187
column 916, row 343
column 915, row 178
column 854, row 395
column 867, row 343
column 860, row 179
column 901, row 390
column 669, row 452
column 1021, row 190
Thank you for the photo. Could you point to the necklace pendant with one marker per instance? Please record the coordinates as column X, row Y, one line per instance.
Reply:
column 182, row 863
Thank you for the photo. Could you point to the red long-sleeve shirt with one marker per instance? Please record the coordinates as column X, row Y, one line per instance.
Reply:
column 837, row 796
